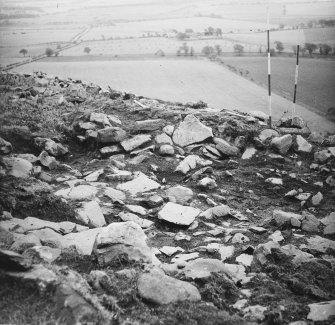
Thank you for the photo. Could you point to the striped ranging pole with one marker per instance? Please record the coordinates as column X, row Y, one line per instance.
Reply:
column 296, row 81
column 269, row 67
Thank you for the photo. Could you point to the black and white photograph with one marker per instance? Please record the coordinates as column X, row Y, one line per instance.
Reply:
column 167, row 162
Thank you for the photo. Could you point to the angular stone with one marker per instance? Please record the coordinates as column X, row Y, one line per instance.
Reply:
column 310, row 224
column 322, row 156
column 49, row 237
column 240, row 238
column 143, row 223
column 91, row 215
column 298, row 255
column 191, row 131
column 115, row 195
column 166, row 150
column 163, row 139
column 161, row 289
column 12, row 261
column 140, row 184
column 282, row 144
column 137, row 209
column 249, row 153
column 226, row 148
column 78, row 193
column 111, row 150
column 122, row 238
column 47, row 161
column 282, row 217
column 24, row 242
column 99, row 118
column 148, row 125
column 268, row 134
column 261, row 253
column 317, row 198
column 179, row 194
column 93, row 177
column 111, row 135
column 302, row 145
column 135, row 142
column 203, row 268
column 170, row 250
column 55, row 149
column 218, row 211
column 321, row 311
column 155, row 201
column 178, row 214
column 40, row 254
column 207, row 183
column 5, row 146
column 191, row 162
column 168, row 130
column 31, row 223
column 320, row 244
column 39, row 275
column 244, row 259
column 276, row 236
column 83, row 241
column 114, row 120
column 18, row 167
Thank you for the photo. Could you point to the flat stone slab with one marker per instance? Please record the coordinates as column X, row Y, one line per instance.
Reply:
column 140, row 184
column 78, row 193
column 122, row 238
column 135, row 142
column 143, row 223
column 90, row 214
column 190, row 131
column 161, row 289
column 178, row 214
column 321, row 311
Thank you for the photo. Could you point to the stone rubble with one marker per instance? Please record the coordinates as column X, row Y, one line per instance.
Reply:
column 190, row 206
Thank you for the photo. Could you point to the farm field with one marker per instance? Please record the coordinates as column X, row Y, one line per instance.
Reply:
column 198, row 24
column 177, row 80
column 289, row 37
column 316, row 78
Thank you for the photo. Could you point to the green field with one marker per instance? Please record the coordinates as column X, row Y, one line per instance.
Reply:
column 316, row 81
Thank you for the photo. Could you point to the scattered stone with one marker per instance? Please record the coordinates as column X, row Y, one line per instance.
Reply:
column 274, row 181
column 99, row 118
column 143, row 223
column 12, row 261
column 18, row 167
column 255, row 313
column 40, row 254
column 321, row 311
column 282, row 144
column 170, row 250
column 161, row 289
column 322, row 156
column 166, row 150
column 207, row 183
column 110, row 150
column 111, row 135
column 178, row 214
column 140, row 184
column 298, row 255
column 163, row 139
column 302, row 145
column 55, row 149
column 225, row 148
column 249, row 153
column 310, row 223
column 135, row 142
column 115, row 195
column 240, row 239
column 169, row 130
column 291, row 193
column 258, row 230
column 155, row 201
column 93, row 177
column 47, row 161
column 148, row 125
column 276, row 236
column 78, row 193
column 137, row 209
column 5, row 146
column 268, row 134
column 191, row 131
column 244, row 259
column 25, row 242
column 319, row 244
column 91, row 215
column 191, row 162
column 122, row 238
column 261, row 253
column 317, row 198
column 282, row 217
column 218, row 211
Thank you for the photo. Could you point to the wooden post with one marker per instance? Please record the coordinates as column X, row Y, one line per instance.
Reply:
column 269, row 68
column 295, row 81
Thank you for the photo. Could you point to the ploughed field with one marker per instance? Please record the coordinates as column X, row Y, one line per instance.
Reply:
column 316, row 80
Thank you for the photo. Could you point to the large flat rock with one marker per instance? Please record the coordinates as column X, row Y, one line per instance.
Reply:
column 190, row 131
column 178, row 214
column 140, row 184
column 161, row 289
